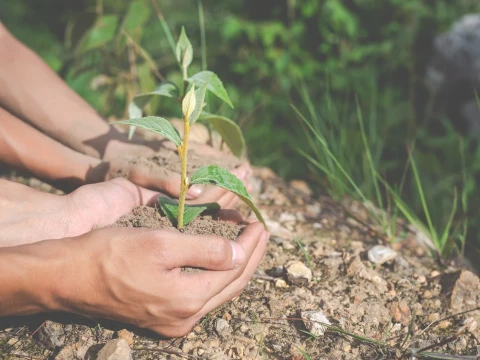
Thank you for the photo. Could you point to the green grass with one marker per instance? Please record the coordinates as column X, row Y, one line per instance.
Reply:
column 347, row 156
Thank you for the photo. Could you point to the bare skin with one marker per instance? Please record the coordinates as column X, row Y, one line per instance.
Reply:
column 80, row 146
column 51, row 261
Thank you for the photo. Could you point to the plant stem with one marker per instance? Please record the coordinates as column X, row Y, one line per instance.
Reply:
column 182, row 151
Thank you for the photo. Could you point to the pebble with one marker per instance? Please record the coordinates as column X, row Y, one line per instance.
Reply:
column 298, row 273
column 243, row 328
column 116, row 349
column 380, row 254
column 51, row 335
column 313, row 210
column 279, row 231
column 301, row 186
column 433, row 317
column 422, row 279
column 313, row 320
column 427, row 294
column 470, row 324
column 287, row 217
column 445, row 324
column 435, row 273
column 126, row 335
column 222, row 327
column 280, row 283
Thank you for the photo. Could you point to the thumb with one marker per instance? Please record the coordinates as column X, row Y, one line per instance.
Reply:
column 209, row 252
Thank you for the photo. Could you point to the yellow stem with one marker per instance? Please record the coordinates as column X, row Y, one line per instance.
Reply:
column 182, row 151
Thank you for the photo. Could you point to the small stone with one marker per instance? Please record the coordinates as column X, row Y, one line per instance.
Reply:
column 280, row 283
column 126, row 335
column 380, row 254
column 435, row 273
column 470, row 324
column 116, row 349
column 51, row 335
column 301, row 186
column 313, row 211
column 433, row 317
column 400, row 312
column 107, row 334
column 197, row 328
column 287, row 217
column 422, row 279
column 287, row 245
column 313, row 322
column 243, row 328
column 279, row 231
column 12, row 341
column 298, row 273
column 222, row 327
column 427, row 294
column 445, row 324
column 317, row 226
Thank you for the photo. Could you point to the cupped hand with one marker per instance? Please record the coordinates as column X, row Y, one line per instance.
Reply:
column 135, row 275
column 120, row 157
column 28, row 215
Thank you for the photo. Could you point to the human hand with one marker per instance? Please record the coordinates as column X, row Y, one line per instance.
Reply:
column 160, row 179
column 28, row 215
column 135, row 276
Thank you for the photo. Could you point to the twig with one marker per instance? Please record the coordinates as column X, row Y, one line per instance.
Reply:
column 171, row 352
column 42, row 325
column 448, row 317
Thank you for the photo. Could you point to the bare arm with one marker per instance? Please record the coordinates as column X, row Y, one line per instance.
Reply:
column 24, row 147
column 31, row 90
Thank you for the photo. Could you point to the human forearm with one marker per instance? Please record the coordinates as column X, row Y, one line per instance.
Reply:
column 28, row 276
column 31, row 90
column 24, row 147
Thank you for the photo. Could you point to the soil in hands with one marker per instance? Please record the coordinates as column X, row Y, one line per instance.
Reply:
column 148, row 217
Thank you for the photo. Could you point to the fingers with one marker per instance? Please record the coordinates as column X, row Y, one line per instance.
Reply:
column 249, row 240
column 204, row 251
column 236, row 287
column 103, row 203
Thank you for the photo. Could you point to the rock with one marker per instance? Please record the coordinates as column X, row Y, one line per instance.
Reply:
column 462, row 289
column 400, row 312
column 470, row 324
column 279, row 231
column 126, row 335
column 80, row 350
column 301, row 186
column 287, row 217
column 313, row 210
column 380, row 254
column 454, row 73
column 116, row 349
column 313, row 320
column 445, row 324
column 298, row 273
column 280, row 283
column 51, row 335
column 222, row 327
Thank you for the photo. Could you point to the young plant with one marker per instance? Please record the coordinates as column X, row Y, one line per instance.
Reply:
column 192, row 103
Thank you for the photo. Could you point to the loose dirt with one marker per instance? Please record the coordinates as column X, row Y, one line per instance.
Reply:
column 411, row 303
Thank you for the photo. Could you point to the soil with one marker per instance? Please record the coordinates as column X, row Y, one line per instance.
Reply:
column 148, row 217
column 413, row 301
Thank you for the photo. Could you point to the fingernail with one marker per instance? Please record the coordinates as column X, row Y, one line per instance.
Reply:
column 194, row 192
column 237, row 254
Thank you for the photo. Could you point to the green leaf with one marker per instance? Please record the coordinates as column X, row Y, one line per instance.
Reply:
column 167, row 89
column 214, row 175
column 170, row 209
column 215, row 85
column 135, row 108
column 184, row 52
column 228, row 130
column 136, row 17
column 102, row 32
column 156, row 124
column 200, row 100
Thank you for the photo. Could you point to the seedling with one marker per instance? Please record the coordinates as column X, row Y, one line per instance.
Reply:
column 192, row 103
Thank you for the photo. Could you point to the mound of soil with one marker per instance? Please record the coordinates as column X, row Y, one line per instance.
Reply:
column 148, row 217
column 317, row 263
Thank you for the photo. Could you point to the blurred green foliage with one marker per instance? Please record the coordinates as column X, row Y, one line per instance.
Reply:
column 266, row 52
